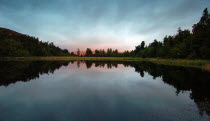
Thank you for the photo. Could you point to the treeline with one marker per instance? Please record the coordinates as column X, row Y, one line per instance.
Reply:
column 14, row 44
column 184, row 45
column 102, row 53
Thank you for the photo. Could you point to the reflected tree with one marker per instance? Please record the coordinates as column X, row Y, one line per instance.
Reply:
column 182, row 79
column 11, row 72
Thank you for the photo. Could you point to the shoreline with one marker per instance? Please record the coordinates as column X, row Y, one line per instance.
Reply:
column 202, row 64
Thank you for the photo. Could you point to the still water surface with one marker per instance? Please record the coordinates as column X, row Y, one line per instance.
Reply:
column 102, row 91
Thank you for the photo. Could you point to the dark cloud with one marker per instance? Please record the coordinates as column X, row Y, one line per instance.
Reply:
column 81, row 23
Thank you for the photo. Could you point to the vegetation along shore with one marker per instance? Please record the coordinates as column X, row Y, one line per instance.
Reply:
column 186, row 48
column 204, row 64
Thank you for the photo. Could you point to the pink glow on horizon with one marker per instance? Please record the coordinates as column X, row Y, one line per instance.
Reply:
column 83, row 48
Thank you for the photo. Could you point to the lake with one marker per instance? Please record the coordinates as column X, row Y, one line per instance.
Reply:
column 102, row 91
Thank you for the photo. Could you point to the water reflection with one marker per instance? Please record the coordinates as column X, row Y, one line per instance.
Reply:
column 182, row 79
column 12, row 72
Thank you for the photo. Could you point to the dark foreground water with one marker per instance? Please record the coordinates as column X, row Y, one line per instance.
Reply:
column 102, row 91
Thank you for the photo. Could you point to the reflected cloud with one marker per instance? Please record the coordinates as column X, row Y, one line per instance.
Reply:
column 182, row 79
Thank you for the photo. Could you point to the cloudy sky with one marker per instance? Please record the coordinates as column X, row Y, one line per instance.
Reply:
column 120, row 24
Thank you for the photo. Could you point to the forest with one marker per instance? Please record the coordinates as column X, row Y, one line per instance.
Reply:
column 183, row 45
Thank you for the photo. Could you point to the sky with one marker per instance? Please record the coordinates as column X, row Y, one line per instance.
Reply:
column 100, row 24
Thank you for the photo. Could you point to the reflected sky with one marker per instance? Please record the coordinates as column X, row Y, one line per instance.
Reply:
column 97, row 93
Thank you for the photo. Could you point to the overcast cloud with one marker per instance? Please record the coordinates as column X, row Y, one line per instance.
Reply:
column 121, row 24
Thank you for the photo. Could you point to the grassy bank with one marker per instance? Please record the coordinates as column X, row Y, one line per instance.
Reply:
column 204, row 64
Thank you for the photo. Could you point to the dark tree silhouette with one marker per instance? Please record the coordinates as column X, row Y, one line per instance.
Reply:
column 78, row 52
column 184, row 44
column 88, row 52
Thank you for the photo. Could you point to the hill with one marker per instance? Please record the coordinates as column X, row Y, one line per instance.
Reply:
column 14, row 44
